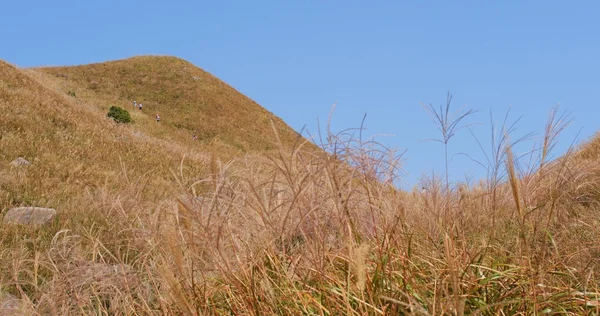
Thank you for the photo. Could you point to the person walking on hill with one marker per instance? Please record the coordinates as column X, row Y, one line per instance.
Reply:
column 157, row 118
column 195, row 137
column 140, row 106
column 134, row 104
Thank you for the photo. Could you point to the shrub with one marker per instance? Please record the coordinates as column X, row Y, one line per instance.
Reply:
column 72, row 93
column 119, row 115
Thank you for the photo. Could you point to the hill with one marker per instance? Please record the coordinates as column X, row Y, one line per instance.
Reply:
column 56, row 118
column 151, row 222
column 188, row 99
column 72, row 145
column 103, row 177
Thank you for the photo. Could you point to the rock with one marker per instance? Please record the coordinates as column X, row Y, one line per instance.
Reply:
column 100, row 275
column 10, row 305
column 193, row 202
column 20, row 162
column 30, row 216
column 196, row 78
column 82, row 285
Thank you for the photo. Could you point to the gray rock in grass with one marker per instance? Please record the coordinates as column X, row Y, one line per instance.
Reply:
column 29, row 216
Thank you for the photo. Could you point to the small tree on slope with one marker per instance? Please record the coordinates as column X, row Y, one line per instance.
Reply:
column 119, row 115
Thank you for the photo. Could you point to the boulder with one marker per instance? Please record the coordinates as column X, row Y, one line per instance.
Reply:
column 99, row 275
column 30, row 216
column 10, row 305
column 20, row 162
column 82, row 285
column 193, row 202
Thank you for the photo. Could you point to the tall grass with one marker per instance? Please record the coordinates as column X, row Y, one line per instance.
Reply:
column 448, row 124
column 145, row 230
column 322, row 234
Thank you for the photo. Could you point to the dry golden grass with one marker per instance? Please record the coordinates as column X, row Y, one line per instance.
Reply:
column 187, row 98
column 293, row 232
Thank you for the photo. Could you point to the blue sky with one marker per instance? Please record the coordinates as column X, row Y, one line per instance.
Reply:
column 383, row 58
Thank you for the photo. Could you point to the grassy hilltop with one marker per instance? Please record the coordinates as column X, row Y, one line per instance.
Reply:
column 252, row 220
column 187, row 98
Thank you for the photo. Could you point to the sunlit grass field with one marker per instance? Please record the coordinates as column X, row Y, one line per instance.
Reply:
column 252, row 219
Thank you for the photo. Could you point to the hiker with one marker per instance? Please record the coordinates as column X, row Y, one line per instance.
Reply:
column 134, row 104
column 157, row 117
column 195, row 137
column 140, row 106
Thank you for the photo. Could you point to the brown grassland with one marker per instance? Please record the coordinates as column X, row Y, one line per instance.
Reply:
column 252, row 219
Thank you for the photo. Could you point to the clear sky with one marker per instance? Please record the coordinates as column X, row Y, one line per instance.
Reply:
column 383, row 58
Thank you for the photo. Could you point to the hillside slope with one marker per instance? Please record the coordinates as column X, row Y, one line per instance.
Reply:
column 150, row 222
column 109, row 181
column 72, row 145
column 188, row 99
